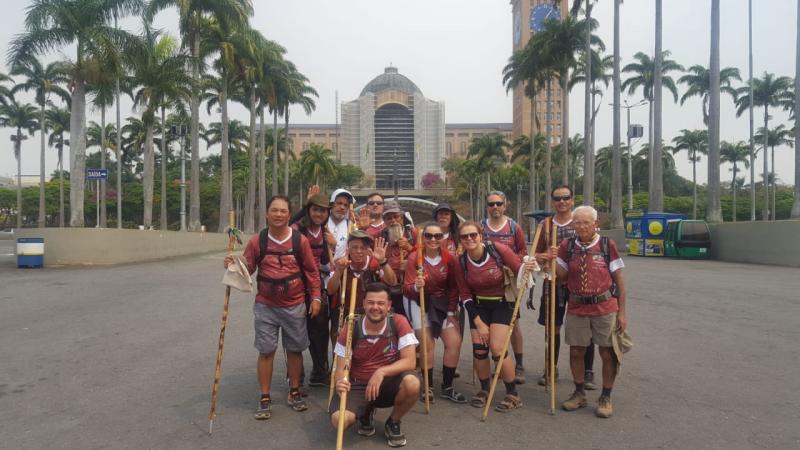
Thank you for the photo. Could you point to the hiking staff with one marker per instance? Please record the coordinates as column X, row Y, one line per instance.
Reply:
column 218, row 370
column 423, row 317
column 507, row 340
column 551, row 307
column 348, row 352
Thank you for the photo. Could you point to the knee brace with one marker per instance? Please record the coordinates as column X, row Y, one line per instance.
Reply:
column 480, row 351
column 496, row 358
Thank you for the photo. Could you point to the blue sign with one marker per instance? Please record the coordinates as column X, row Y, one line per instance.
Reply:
column 97, row 174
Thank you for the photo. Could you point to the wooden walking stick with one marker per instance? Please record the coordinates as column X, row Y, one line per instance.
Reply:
column 339, row 326
column 348, row 354
column 551, row 348
column 423, row 317
column 507, row 341
column 218, row 370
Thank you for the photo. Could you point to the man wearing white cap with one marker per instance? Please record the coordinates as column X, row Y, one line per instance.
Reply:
column 339, row 220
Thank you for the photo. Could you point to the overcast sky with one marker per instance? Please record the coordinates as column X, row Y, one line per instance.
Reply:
column 454, row 50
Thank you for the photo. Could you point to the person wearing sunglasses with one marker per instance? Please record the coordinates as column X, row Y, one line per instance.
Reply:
column 501, row 229
column 370, row 217
column 562, row 202
column 441, row 298
column 448, row 220
column 481, row 278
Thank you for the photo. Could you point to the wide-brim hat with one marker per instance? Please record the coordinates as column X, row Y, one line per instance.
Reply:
column 622, row 343
column 320, row 200
column 361, row 235
column 339, row 192
column 392, row 207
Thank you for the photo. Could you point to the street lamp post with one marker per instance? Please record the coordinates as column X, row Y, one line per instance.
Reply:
column 179, row 131
column 634, row 131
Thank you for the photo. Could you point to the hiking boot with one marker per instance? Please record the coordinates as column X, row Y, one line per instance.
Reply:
column 588, row 381
column 264, row 410
column 318, row 379
column 575, row 401
column 295, row 400
column 604, row 408
column 519, row 374
column 543, row 380
column 366, row 424
column 394, row 437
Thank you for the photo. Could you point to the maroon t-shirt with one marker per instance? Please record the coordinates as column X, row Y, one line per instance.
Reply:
column 371, row 270
column 440, row 279
column 485, row 279
column 370, row 354
column 589, row 275
column 317, row 242
column 375, row 230
column 281, row 266
column 515, row 242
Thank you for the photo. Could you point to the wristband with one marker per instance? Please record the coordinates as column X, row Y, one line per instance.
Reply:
column 450, row 314
column 316, row 300
column 385, row 261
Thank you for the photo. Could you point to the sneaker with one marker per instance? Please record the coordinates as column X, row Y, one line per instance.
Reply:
column 543, row 380
column 366, row 424
column 588, row 381
column 451, row 394
column 318, row 379
column 295, row 400
column 575, row 401
column 264, row 410
column 394, row 437
column 604, row 408
column 519, row 375
column 430, row 395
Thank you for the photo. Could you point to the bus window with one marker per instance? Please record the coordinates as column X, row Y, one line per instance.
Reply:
column 694, row 231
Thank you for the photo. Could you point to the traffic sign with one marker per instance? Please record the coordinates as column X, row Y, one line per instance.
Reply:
column 97, row 174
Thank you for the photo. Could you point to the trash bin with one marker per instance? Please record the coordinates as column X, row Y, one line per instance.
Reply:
column 30, row 252
column 644, row 231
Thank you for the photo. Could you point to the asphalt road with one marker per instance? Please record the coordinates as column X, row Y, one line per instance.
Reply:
column 123, row 356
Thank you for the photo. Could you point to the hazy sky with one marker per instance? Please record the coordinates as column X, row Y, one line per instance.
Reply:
column 454, row 50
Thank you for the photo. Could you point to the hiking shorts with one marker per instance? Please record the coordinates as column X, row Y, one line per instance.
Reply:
column 291, row 322
column 499, row 312
column 357, row 401
column 435, row 309
column 582, row 331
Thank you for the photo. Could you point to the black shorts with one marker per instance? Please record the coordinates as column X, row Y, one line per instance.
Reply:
column 562, row 295
column 490, row 312
column 356, row 398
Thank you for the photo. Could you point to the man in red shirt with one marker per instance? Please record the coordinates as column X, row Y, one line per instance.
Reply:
column 370, row 218
column 284, row 279
column 381, row 367
column 592, row 267
column 501, row 229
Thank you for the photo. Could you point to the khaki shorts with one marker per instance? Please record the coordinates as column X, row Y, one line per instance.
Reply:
column 583, row 330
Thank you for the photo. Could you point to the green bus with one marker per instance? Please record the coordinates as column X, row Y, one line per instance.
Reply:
column 689, row 239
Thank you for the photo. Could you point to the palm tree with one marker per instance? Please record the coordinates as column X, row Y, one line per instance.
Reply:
column 43, row 80
column 298, row 92
column 488, row 151
column 58, row 124
column 795, row 214
column 735, row 154
column 714, row 205
column 698, row 80
column 775, row 137
column 5, row 92
column 643, row 75
column 767, row 92
column 52, row 24
column 317, row 164
column 616, row 167
column 694, row 142
column 23, row 118
column 192, row 20
column 103, row 88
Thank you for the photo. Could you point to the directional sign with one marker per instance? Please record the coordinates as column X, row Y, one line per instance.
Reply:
column 97, row 174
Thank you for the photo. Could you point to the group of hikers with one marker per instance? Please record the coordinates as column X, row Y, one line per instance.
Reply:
column 310, row 267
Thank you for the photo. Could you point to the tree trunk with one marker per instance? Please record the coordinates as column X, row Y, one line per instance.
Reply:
column 18, row 151
column 774, row 183
column 286, row 154
column 765, row 212
column 548, row 162
column 733, row 191
column 656, row 200
column 194, row 190
column 103, row 214
column 796, row 205
column 147, row 177
column 565, row 127
column 713, row 204
column 275, row 151
column 61, row 181
column 588, row 156
column 119, row 153
column 616, row 160
column 752, row 120
column 225, row 165
column 40, row 222
column 163, row 224
column 249, row 219
column 262, row 174
column 694, row 184
column 532, row 157
column 651, row 146
column 77, row 154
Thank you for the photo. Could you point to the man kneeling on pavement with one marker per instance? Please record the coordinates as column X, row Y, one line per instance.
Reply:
column 592, row 268
column 381, row 369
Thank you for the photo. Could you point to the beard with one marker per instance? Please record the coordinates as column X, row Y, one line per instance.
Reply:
column 376, row 321
column 395, row 232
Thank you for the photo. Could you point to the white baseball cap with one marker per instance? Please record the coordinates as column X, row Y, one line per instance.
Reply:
column 340, row 192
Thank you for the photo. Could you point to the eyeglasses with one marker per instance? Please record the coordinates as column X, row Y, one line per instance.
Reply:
column 562, row 198
column 375, row 202
column 495, row 204
column 433, row 236
column 469, row 236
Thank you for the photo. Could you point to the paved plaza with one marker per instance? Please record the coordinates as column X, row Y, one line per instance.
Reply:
column 123, row 356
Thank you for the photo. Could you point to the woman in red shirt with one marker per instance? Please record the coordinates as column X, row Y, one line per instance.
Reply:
column 441, row 298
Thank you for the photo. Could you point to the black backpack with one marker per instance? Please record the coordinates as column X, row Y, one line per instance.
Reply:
column 488, row 234
column 606, row 255
column 358, row 331
column 490, row 249
column 263, row 250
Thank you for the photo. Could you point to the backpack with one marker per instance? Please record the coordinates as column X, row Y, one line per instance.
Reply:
column 606, row 255
column 487, row 234
column 509, row 277
column 389, row 333
column 263, row 250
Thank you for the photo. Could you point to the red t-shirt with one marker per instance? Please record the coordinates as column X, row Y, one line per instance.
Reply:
column 486, row 278
column 371, row 353
column 317, row 242
column 394, row 255
column 282, row 266
column 375, row 230
column 439, row 279
column 371, row 270
column 515, row 242
column 588, row 275
column 563, row 231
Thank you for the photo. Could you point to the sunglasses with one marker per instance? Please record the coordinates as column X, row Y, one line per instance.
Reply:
column 375, row 202
column 433, row 236
column 495, row 204
column 469, row 236
column 562, row 198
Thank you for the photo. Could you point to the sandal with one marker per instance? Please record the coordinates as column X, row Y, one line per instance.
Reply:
column 451, row 394
column 296, row 401
column 509, row 403
column 264, row 410
column 479, row 400
column 431, row 397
